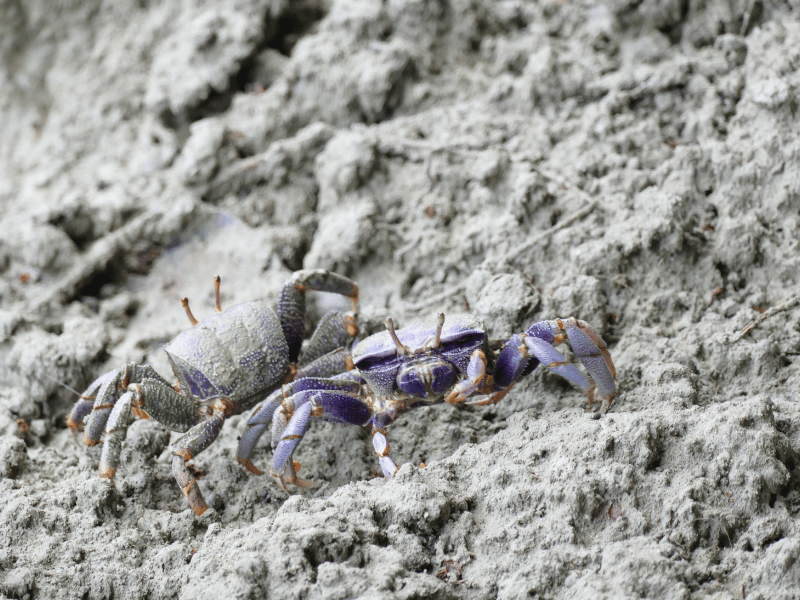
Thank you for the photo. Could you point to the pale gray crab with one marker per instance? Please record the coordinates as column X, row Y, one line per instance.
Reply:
column 225, row 364
column 396, row 371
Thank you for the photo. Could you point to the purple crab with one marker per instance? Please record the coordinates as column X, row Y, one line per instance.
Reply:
column 420, row 365
column 225, row 365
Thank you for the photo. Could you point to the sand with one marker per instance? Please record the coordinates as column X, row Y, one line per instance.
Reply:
column 635, row 165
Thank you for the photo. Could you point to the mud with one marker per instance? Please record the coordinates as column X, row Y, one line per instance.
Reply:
column 631, row 164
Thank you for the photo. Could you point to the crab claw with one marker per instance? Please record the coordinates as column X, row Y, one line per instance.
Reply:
column 522, row 353
column 588, row 347
column 381, row 445
column 592, row 351
column 476, row 372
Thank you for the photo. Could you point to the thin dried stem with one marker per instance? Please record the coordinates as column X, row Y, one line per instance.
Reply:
column 764, row 316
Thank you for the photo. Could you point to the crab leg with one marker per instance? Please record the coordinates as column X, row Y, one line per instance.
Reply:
column 523, row 353
column 256, row 426
column 153, row 398
column 334, row 330
column 145, row 399
column 332, row 364
column 284, row 469
column 592, row 351
column 513, row 363
column 116, row 429
column 100, row 397
column 149, row 398
column 330, row 405
column 197, row 439
column 588, row 346
column 263, row 415
column 555, row 361
column 99, row 387
column 292, row 302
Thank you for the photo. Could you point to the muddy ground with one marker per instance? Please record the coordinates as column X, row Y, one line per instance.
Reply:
column 634, row 164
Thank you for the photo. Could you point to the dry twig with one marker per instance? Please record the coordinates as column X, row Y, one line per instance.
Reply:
column 764, row 316
column 96, row 259
column 561, row 225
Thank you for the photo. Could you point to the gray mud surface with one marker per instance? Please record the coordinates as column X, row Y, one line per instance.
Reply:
column 633, row 164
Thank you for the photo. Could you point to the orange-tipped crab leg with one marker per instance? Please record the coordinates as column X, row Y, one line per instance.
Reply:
column 154, row 398
column 592, row 351
column 192, row 443
column 264, row 414
column 98, row 400
column 332, row 400
column 292, row 303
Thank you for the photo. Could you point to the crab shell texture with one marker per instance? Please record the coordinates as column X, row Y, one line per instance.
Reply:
column 425, row 370
column 240, row 354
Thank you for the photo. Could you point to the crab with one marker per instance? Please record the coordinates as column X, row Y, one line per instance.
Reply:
column 396, row 371
column 225, row 364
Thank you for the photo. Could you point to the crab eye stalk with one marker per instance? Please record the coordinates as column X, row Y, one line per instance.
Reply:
column 438, row 337
column 390, row 327
column 217, row 305
column 185, row 304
